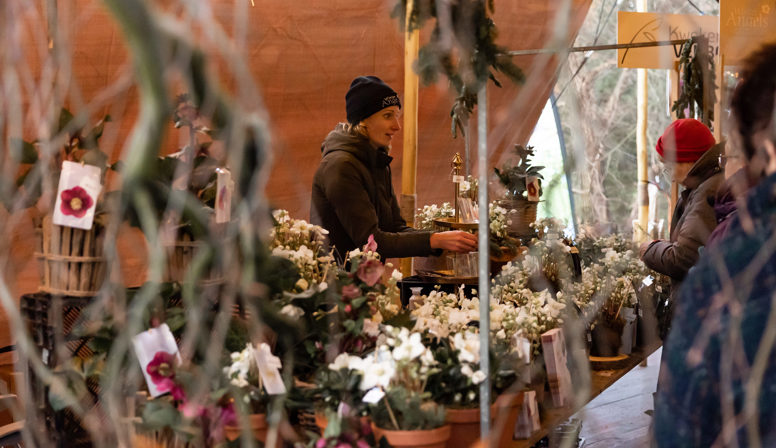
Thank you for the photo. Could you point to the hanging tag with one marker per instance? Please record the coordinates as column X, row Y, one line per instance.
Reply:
column 225, row 188
column 532, row 188
column 457, row 179
column 648, row 280
column 269, row 366
column 156, row 345
column 373, row 396
column 79, row 187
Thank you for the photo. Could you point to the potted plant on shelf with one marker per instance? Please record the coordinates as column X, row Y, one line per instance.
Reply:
column 522, row 183
column 72, row 261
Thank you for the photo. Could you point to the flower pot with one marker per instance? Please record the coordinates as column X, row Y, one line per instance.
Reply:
column 71, row 260
column 507, row 409
column 422, row 438
column 258, row 426
column 322, row 422
column 464, row 426
column 180, row 253
column 521, row 213
column 606, row 341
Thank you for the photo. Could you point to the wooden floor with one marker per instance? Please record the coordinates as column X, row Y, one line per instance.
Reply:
column 616, row 418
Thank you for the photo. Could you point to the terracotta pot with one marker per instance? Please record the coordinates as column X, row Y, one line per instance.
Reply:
column 507, row 409
column 465, row 426
column 259, row 427
column 427, row 438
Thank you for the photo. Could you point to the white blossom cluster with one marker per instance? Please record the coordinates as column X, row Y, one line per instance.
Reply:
column 400, row 358
column 302, row 243
column 467, row 346
column 424, row 217
column 497, row 216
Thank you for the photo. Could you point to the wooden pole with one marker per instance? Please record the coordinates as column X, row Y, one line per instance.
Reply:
column 410, row 146
column 640, row 231
column 674, row 193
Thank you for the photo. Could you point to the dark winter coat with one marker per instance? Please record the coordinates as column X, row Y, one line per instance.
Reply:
column 724, row 316
column 725, row 204
column 692, row 222
column 353, row 198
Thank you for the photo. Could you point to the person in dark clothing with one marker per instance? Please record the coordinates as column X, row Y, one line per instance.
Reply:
column 689, row 149
column 353, row 195
column 732, row 190
column 717, row 382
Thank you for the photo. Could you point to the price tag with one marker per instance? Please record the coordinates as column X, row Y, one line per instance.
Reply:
column 373, row 396
column 457, row 179
column 532, row 188
column 150, row 343
column 648, row 280
column 269, row 370
column 224, row 190
column 79, row 187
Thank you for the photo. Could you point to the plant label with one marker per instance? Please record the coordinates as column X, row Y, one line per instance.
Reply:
column 148, row 345
column 532, row 188
column 269, row 370
column 558, row 375
column 79, row 187
column 224, row 190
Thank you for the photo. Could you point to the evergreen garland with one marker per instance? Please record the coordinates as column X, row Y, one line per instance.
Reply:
column 697, row 87
column 468, row 57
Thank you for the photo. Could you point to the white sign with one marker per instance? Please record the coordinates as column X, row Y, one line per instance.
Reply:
column 148, row 345
column 224, row 190
column 79, row 187
column 269, row 370
column 635, row 27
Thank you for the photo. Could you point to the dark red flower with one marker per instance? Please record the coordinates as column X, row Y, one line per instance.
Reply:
column 76, row 202
column 370, row 272
column 162, row 372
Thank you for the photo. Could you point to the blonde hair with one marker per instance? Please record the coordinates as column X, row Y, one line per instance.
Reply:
column 356, row 129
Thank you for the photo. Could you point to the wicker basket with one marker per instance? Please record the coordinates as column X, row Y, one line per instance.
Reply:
column 180, row 254
column 520, row 215
column 71, row 260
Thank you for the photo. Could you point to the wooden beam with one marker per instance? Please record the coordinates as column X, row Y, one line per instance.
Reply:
column 640, row 231
column 410, row 146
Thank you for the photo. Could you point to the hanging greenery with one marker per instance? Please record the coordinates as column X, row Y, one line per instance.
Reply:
column 462, row 46
column 697, row 82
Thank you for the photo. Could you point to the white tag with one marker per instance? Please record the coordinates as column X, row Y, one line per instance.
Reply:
column 457, row 179
column 147, row 344
column 648, row 280
column 224, row 190
column 79, row 187
column 373, row 396
column 532, row 188
column 269, row 370
column 522, row 347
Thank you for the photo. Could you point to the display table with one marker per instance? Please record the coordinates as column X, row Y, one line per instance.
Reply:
column 600, row 381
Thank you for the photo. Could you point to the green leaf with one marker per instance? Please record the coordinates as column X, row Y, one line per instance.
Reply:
column 95, row 157
column 65, row 117
column 23, row 151
column 176, row 319
column 159, row 414
column 358, row 301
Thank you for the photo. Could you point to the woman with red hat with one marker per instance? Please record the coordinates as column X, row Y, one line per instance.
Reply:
column 689, row 150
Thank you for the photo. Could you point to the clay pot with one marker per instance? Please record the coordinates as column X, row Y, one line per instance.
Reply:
column 464, row 426
column 506, row 410
column 259, row 427
column 424, row 438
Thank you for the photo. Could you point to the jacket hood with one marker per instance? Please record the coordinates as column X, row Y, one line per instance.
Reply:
column 358, row 145
column 705, row 167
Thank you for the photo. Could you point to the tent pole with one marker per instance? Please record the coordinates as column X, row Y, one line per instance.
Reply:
column 640, row 231
column 484, row 262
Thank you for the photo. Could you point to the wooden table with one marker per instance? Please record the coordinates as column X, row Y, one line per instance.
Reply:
column 600, row 381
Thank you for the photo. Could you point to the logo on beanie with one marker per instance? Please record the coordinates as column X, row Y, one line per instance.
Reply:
column 392, row 100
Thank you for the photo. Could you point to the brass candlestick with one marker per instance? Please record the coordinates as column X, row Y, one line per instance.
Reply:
column 457, row 165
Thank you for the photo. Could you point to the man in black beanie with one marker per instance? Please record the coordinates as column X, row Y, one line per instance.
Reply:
column 353, row 194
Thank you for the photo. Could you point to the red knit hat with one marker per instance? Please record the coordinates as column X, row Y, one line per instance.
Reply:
column 684, row 140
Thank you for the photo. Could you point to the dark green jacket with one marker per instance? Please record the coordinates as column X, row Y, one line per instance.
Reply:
column 692, row 222
column 353, row 198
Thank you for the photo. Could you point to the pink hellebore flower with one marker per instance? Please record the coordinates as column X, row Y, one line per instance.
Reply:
column 350, row 291
column 371, row 244
column 321, row 443
column 370, row 272
column 162, row 371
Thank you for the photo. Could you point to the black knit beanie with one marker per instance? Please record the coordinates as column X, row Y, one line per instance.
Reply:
column 366, row 96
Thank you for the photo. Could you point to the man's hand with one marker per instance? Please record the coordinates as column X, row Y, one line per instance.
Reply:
column 454, row 240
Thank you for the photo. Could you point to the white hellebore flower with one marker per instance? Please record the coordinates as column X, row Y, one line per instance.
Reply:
column 340, row 362
column 371, row 328
column 396, row 275
column 478, row 377
column 466, row 369
column 468, row 346
column 410, row 348
column 292, row 311
column 377, row 374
